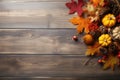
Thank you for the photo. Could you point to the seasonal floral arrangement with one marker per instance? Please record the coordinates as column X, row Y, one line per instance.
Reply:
column 99, row 22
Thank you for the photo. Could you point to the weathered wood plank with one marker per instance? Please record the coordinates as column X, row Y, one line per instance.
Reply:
column 52, row 66
column 61, row 22
column 40, row 41
column 12, row 78
column 31, row 5
column 34, row 15
column 34, row 0
column 47, row 21
column 59, row 78
column 24, row 22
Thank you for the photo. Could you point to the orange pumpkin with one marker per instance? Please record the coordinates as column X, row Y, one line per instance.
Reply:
column 88, row 39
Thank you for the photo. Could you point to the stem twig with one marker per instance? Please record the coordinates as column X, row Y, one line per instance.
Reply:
column 117, row 3
column 87, row 61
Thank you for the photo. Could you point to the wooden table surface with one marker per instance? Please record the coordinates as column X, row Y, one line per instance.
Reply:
column 36, row 44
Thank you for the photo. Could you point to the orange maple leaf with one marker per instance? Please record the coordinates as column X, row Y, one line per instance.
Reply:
column 82, row 23
column 75, row 20
column 93, row 49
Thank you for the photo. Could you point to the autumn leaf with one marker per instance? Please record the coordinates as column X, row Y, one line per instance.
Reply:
column 93, row 49
column 72, row 6
column 79, row 7
column 75, row 7
column 76, row 20
column 111, row 62
column 97, row 2
column 85, row 25
column 82, row 24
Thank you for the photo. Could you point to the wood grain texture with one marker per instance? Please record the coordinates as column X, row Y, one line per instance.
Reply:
column 34, row 0
column 39, row 41
column 51, row 66
column 36, row 44
column 32, row 5
column 37, row 14
column 112, row 78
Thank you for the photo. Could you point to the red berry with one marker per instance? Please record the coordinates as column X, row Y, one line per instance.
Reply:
column 118, row 55
column 100, row 61
column 75, row 38
column 118, row 18
column 104, row 57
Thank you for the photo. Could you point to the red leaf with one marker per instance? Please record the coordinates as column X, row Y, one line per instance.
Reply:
column 79, row 7
column 75, row 7
column 72, row 6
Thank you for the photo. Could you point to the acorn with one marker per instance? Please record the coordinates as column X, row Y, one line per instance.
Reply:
column 88, row 39
column 113, row 49
column 75, row 38
column 103, row 50
column 95, row 34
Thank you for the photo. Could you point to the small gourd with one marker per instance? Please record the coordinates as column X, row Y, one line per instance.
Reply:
column 109, row 20
column 88, row 39
column 116, row 33
column 105, row 39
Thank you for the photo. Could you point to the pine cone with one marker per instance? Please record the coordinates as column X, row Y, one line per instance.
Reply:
column 95, row 34
column 103, row 50
column 113, row 49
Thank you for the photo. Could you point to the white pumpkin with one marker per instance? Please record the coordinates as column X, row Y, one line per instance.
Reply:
column 116, row 33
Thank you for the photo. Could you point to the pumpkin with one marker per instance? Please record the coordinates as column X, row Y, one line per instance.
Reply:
column 88, row 39
column 109, row 20
column 105, row 39
column 116, row 33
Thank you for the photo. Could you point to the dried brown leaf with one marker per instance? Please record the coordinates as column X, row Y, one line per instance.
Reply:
column 111, row 62
column 92, row 50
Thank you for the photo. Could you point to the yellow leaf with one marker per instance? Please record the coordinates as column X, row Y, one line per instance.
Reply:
column 92, row 50
column 111, row 62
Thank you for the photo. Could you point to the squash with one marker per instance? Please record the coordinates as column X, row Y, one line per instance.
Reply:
column 105, row 39
column 88, row 39
column 109, row 20
column 116, row 33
